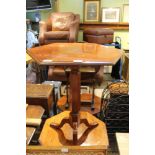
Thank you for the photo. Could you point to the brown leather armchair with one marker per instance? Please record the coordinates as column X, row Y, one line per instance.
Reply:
column 60, row 27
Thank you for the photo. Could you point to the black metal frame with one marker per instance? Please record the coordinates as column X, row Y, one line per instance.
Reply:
column 115, row 109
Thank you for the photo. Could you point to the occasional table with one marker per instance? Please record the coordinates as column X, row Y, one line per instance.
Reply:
column 74, row 55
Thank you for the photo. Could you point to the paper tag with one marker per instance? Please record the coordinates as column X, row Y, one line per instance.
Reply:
column 64, row 150
column 77, row 61
column 46, row 60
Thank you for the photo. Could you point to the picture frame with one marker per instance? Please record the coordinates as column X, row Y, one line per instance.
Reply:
column 111, row 14
column 91, row 10
column 126, row 13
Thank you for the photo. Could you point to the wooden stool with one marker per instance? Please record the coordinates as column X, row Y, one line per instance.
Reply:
column 34, row 114
column 40, row 94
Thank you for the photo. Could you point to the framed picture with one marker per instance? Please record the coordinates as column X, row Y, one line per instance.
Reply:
column 110, row 14
column 91, row 10
column 126, row 13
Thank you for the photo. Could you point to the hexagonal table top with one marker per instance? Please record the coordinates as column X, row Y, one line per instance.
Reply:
column 75, row 54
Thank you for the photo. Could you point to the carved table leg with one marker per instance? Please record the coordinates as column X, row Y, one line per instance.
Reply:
column 58, row 126
column 92, row 102
column 74, row 118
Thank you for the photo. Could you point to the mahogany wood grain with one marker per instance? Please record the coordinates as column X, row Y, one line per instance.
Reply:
column 69, row 150
column 96, row 137
column 75, row 91
column 73, row 54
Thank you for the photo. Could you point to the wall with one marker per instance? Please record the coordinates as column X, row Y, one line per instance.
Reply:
column 76, row 6
column 124, row 34
column 115, row 3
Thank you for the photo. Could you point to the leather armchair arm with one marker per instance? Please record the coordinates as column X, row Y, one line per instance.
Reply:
column 74, row 27
column 42, row 30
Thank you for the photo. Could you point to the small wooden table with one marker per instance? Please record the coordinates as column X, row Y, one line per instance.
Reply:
column 94, row 137
column 40, row 94
column 74, row 55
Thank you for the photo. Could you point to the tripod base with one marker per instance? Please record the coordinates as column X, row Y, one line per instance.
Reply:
column 76, row 140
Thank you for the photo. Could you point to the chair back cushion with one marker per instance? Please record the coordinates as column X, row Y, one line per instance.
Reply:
column 61, row 21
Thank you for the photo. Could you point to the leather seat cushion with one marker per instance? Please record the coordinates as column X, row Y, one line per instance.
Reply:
column 62, row 21
column 102, row 39
column 56, row 35
column 99, row 31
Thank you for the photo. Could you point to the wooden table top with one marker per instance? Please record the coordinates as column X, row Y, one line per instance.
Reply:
column 64, row 150
column 38, row 90
column 97, row 137
column 34, row 111
column 75, row 54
